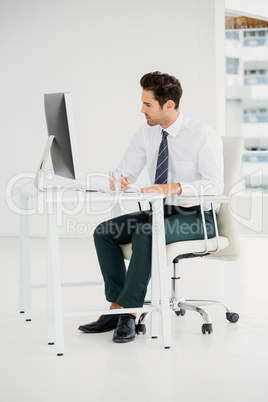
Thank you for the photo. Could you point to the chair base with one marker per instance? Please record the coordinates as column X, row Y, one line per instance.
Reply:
column 180, row 306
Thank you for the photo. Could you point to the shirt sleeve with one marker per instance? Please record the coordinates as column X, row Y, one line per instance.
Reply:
column 134, row 158
column 210, row 167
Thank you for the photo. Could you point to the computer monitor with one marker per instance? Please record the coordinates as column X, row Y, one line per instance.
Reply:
column 61, row 142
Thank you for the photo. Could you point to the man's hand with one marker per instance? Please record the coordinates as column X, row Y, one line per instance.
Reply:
column 125, row 181
column 166, row 189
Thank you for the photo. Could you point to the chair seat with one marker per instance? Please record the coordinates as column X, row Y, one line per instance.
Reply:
column 182, row 247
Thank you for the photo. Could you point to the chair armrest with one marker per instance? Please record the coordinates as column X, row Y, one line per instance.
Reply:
column 188, row 202
column 201, row 200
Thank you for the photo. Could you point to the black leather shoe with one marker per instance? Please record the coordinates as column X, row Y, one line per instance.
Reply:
column 126, row 329
column 105, row 323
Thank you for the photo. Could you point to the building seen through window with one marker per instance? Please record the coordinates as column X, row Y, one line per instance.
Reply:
column 247, row 93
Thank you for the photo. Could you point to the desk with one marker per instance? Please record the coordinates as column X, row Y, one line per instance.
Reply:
column 46, row 203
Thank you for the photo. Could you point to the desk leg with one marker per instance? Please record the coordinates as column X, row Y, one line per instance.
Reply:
column 50, row 301
column 160, row 259
column 155, row 291
column 25, row 271
column 116, row 208
column 54, row 283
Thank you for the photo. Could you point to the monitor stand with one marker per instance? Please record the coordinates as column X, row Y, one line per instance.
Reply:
column 44, row 177
column 39, row 181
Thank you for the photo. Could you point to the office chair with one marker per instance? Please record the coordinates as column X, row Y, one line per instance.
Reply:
column 224, row 246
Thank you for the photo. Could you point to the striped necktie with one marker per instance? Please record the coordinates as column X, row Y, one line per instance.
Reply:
column 161, row 174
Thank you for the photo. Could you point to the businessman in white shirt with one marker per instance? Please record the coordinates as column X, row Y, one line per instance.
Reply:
column 183, row 157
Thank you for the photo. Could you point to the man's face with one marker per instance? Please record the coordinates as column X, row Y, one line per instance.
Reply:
column 153, row 112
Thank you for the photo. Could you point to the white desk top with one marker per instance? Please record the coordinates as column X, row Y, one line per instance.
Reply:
column 70, row 195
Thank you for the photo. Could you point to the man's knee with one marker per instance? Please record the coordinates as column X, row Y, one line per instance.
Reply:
column 110, row 230
column 99, row 232
column 142, row 235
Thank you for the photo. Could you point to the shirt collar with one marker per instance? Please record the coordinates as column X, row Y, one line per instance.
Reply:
column 174, row 129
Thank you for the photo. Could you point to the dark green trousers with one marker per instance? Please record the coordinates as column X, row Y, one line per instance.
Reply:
column 127, row 287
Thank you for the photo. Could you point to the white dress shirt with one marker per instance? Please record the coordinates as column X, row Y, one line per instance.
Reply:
column 195, row 157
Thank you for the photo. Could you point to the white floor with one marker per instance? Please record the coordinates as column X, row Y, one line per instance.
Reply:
column 229, row 365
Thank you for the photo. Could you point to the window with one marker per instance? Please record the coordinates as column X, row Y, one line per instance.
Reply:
column 247, row 92
column 232, row 35
column 232, row 65
column 256, row 77
column 256, row 115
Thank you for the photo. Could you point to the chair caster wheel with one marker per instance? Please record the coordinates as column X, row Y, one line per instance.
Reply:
column 207, row 328
column 232, row 317
column 141, row 329
column 180, row 312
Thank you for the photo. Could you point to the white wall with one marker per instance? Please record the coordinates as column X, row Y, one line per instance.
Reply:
column 98, row 50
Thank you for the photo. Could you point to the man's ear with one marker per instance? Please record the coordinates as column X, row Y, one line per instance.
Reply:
column 170, row 104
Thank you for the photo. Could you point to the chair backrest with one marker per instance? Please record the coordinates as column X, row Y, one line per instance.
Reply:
column 227, row 224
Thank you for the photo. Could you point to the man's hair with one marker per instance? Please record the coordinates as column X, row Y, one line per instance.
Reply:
column 164, row 87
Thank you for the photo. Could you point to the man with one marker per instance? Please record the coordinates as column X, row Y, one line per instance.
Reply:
column 183, row 157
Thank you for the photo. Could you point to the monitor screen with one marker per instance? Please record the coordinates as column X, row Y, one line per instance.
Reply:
column 60, row 124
